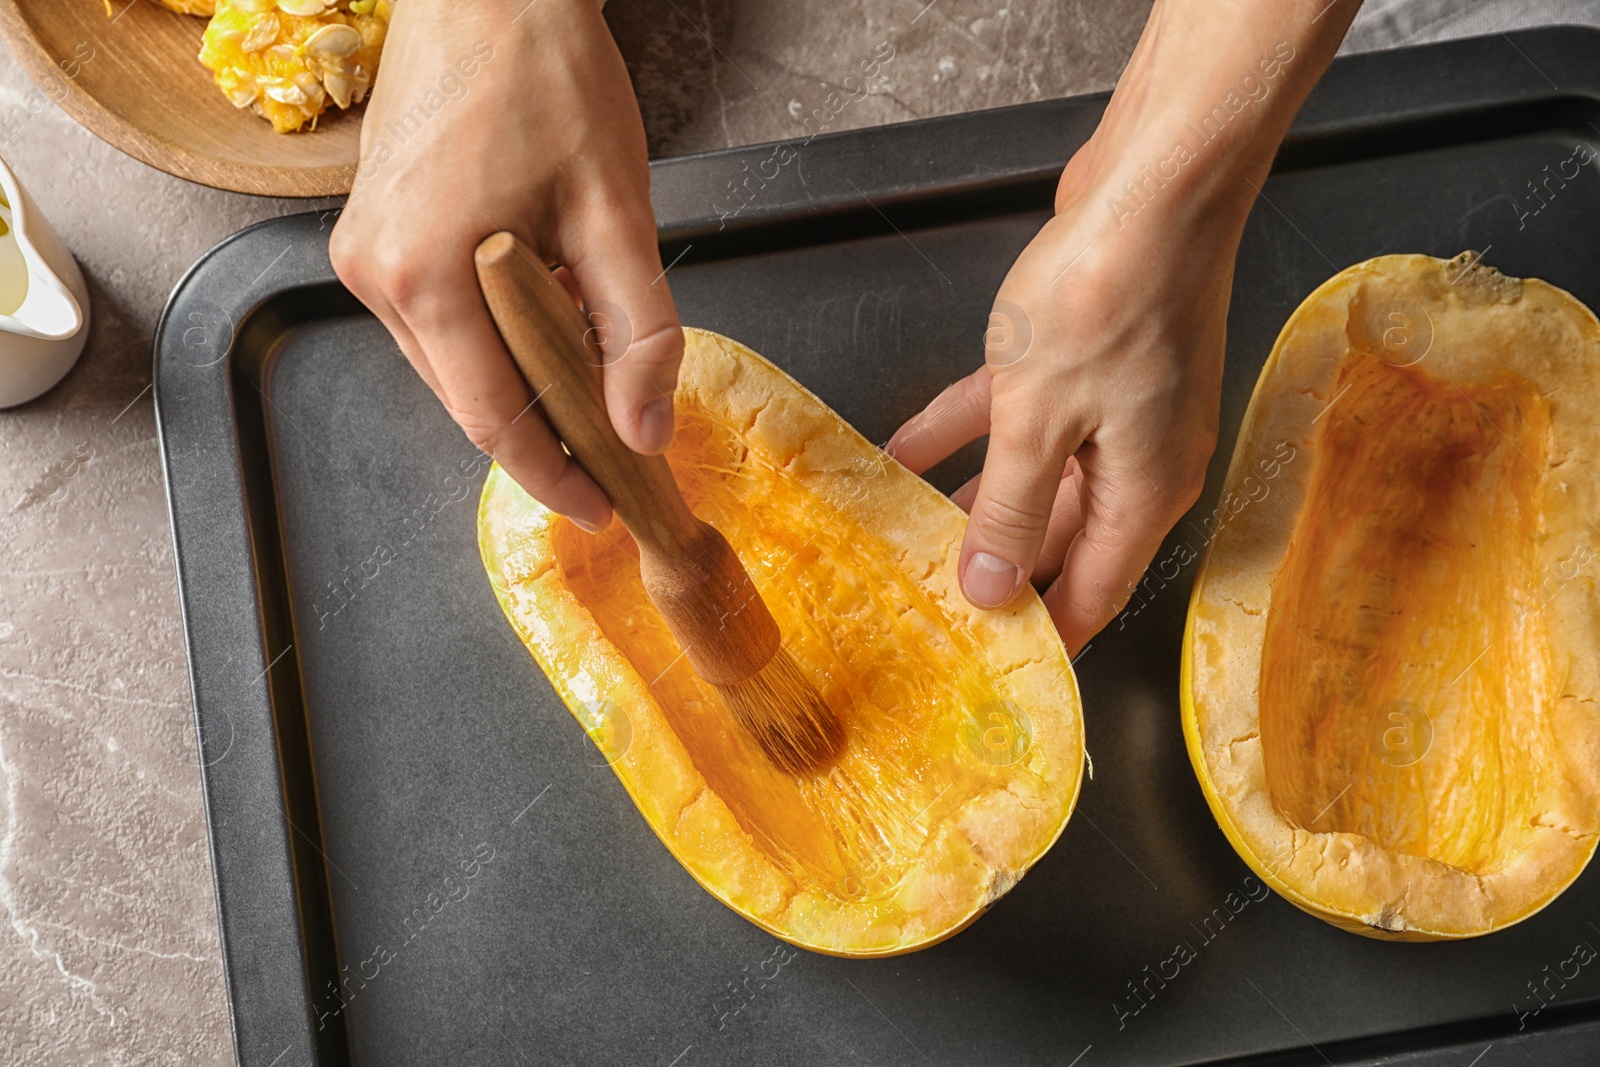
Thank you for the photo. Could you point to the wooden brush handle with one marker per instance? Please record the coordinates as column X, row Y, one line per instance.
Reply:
column 688, row 568
column 552, row 345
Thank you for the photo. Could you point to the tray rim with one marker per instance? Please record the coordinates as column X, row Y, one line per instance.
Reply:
column 1327, row 114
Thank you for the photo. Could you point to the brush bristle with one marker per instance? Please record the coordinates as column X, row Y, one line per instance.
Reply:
column 786, row 715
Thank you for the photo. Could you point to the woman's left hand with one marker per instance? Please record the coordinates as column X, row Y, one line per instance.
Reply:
column 1099, row 393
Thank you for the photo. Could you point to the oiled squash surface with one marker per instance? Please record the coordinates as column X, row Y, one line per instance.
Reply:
column 964, row 748
column 1393, row 618
column 1390, row 675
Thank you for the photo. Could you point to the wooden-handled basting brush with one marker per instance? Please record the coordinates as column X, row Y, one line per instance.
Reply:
column 689, row 571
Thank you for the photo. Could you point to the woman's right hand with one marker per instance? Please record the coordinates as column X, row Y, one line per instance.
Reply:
column 512, row 115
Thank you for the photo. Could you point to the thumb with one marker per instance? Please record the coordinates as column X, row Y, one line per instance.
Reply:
column 1016, row 494
column 633, row 318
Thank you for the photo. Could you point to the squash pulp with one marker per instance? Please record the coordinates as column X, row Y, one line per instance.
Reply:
column 964, row 748
column 1390, row 679
column 1358, row 675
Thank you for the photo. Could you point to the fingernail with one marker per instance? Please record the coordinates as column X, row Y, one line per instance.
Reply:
column 585, row 525
column 990, row 582
column 655, row 425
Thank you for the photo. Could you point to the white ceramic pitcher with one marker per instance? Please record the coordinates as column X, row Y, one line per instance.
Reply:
column 44, row 305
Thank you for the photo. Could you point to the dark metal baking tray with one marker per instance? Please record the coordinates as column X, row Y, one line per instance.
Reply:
column 370, row 727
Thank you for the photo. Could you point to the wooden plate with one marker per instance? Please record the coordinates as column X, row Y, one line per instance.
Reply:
column 132, row 79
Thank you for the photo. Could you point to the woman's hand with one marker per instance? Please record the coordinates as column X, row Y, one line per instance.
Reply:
column 1099, row 394
column 1103, row 363
column 506, row 115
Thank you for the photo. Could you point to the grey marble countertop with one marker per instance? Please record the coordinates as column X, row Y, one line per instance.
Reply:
column 109, row 951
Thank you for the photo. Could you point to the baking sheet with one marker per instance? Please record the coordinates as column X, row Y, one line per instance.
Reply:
column 420, row 858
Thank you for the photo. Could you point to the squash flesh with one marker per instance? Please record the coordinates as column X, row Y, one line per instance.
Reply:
column 1376, row 719
column 964, row 751
column 856, row 624
column 1390, row 690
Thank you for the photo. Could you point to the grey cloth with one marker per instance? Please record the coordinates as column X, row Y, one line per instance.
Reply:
column 1393, row 23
